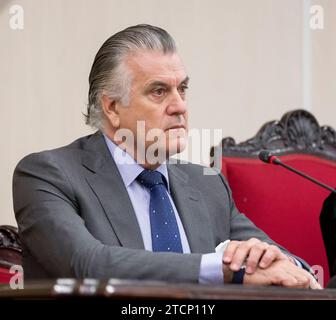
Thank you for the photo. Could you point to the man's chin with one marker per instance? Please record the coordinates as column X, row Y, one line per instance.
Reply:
column 176, row 146
column 158, row 153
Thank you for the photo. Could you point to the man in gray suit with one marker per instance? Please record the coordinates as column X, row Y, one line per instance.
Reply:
column 111, row 205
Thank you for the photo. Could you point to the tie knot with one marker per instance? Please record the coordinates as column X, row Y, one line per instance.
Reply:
column 150, row 178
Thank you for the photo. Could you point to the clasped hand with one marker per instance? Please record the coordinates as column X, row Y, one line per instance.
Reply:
column 265, row 264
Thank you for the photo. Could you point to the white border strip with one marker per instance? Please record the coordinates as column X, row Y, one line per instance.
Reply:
column 306, row 57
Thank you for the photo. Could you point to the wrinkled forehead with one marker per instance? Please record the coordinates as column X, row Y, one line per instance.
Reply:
column 150, row 66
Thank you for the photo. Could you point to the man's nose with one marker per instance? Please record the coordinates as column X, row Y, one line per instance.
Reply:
column 177, row 104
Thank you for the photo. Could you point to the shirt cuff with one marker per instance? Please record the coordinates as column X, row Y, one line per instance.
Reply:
column 298, row 263
column 211, row 270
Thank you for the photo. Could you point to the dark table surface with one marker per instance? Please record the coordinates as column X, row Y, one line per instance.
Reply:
column 121, row 289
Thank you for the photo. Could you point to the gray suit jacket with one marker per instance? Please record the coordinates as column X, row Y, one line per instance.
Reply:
column 75, row 217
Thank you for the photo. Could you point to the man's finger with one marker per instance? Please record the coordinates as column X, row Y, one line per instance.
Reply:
column 254, row 256
column 272, row 253
column 240, row 256
column 230, row 251
column 289, row 281
column 314, row 283
column 303, row 280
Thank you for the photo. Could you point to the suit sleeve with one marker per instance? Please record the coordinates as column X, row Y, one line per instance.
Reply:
column 54, row 234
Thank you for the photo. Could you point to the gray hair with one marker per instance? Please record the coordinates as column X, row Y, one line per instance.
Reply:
column 108, row 74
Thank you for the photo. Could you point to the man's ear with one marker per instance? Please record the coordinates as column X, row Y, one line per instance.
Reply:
column 110, row 110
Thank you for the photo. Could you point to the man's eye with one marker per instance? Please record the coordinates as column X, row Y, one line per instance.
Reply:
column 183, row 89
column 159, row 92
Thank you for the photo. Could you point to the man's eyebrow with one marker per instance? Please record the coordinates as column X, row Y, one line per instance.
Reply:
column 157, row 83
column 185, row 81
column 164, row 84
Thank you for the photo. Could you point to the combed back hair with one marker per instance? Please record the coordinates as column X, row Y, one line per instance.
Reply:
column 110, row 76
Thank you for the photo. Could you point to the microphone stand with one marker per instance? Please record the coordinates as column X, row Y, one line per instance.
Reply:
column 304, row 175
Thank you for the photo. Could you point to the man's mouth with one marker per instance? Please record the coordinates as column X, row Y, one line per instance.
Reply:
column 175, row 127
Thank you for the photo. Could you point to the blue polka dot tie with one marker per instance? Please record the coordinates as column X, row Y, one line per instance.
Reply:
column 164, row 229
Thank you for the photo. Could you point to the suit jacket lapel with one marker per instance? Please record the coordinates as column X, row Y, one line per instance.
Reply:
column 192, row 210
column 106, row 182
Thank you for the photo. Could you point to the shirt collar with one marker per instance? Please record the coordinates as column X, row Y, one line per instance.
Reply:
column 129, row 169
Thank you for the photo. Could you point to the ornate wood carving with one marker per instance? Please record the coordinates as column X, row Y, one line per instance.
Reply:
column 10, row 247
column 297, row 132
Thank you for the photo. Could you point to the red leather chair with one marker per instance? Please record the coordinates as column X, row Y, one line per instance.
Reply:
column 284, row 205
column 10, row 252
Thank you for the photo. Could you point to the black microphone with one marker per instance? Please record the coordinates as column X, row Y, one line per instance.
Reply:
column 268, row 157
